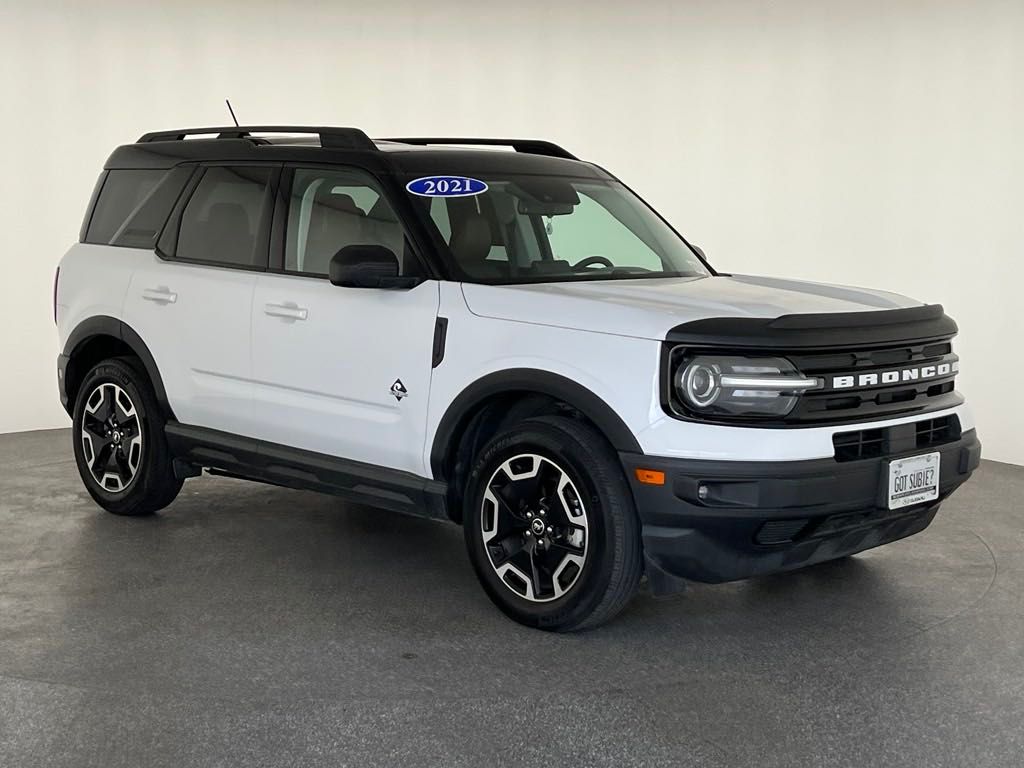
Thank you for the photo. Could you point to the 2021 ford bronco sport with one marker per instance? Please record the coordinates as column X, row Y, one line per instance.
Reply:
column 511, row 340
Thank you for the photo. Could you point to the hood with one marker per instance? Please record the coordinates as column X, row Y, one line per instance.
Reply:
column 649, row 308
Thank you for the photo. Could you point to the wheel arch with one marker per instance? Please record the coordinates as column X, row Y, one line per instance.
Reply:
column 507, row 396
column 526, row 382
column 99, row 337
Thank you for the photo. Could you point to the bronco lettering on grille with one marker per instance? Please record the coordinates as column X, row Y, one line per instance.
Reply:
column 897, row 376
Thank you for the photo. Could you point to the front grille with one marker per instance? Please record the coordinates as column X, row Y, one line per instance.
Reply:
column 870, row 365
column 874, row 401
column 872, row 443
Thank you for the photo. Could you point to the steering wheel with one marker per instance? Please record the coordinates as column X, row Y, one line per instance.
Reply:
column 591, row 260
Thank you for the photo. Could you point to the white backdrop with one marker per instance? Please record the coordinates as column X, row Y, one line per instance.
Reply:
column 869, row 143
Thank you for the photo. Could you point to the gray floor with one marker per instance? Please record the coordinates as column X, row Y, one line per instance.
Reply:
column 253, row 626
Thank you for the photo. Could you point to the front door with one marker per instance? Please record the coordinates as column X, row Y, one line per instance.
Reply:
column 342, row 371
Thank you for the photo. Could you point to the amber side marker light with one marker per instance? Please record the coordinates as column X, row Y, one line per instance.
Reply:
column 650, row 476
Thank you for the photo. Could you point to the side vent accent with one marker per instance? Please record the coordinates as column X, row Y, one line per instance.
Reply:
column 440, row 337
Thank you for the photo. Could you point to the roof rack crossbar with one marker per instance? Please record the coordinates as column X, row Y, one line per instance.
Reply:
column 334, row 138
column 528, row 146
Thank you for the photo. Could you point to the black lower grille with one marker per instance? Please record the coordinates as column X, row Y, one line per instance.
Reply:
column 872, row 443
column 852, row 527
column 780, row 531
column 863, row 444
column 945, row 429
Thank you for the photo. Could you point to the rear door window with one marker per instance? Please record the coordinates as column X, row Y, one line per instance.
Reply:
column 227, row 219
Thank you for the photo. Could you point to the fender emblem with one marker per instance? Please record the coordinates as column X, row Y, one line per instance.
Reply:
column 398, row 390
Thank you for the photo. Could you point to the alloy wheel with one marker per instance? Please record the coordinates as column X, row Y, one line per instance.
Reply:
column 111, row 437
column 534, row 527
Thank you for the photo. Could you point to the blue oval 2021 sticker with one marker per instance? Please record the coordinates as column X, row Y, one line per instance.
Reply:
column 446, row 186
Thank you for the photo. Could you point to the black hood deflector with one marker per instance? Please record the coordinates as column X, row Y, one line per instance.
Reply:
column 818, row 331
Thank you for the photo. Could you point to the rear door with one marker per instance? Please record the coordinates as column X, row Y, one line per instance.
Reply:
column 342, row 371
column 192, row 302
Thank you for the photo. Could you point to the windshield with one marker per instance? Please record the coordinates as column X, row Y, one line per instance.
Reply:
column 552, row 229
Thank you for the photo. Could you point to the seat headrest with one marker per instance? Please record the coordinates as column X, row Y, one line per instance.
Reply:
column 471, row 241
column 337, row 202
column 230, row 217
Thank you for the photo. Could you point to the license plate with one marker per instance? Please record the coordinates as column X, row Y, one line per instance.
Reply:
column 913, row 480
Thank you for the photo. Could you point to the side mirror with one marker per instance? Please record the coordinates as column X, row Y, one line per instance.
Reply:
column 367, row 266
column 699, row 250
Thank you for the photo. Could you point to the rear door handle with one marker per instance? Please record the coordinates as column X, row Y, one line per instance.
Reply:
column 288, row 311
column 161, row 295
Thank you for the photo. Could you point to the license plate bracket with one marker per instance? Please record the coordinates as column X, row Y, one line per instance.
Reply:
column 913, row 480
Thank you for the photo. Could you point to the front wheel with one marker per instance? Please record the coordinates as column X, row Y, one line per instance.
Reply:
column 550, row 525
column 120, row 447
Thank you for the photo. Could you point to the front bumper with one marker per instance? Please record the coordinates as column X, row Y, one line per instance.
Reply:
column 765, row 517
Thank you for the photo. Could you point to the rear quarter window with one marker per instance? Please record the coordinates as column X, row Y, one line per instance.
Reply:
column 133, row 205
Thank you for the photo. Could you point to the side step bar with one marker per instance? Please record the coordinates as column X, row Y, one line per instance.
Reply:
column 232, row 455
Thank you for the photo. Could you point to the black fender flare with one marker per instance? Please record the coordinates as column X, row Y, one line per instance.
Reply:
column 528, row 381
column 104, row 325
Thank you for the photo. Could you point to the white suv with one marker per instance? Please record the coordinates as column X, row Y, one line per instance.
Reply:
column 511, row 340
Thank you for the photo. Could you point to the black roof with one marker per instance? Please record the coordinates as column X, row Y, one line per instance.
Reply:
column 321, row 144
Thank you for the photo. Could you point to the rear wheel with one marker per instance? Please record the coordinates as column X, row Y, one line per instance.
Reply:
column 550, row 525
column 118, row 435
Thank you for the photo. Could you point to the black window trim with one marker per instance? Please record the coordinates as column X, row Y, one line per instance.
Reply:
column 279, row 235
column 167, row 240
column 172, row 227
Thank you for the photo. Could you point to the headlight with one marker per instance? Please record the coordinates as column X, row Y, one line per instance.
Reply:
column 739, row 386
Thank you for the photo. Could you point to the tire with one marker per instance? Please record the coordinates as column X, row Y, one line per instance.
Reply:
column 581, row 564
column 116, row 415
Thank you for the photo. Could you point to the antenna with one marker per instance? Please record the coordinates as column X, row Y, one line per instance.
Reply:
column 228, row 102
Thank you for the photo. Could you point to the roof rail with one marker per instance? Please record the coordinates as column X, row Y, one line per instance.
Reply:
column 333, row 138
column 528, row 146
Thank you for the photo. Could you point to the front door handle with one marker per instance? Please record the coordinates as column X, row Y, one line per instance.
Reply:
column 289, row 311
column 161, row 295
